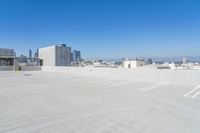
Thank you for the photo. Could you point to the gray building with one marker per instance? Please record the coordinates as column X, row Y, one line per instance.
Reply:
column 7, row 59
column 149, row 61
column 76, row 56
column 56, row 55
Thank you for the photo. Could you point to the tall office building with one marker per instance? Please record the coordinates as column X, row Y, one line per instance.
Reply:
column 36, row 54
column 76, row 56
column 30, row 53
column 57, row 55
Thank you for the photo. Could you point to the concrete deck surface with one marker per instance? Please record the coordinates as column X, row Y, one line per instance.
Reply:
column 47, row 102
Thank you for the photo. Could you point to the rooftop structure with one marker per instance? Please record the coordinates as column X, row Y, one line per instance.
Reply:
column 9, row 62
column 7, row 57
column 7, row 53
column 56, row 55
column 26, row 61
column 27, row 64
column 133, row 63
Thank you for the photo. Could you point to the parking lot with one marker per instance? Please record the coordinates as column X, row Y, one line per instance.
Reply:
column 49, row 102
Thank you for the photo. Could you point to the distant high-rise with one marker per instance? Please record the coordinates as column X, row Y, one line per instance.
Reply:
column 56, row 55
column 124, row 59
column 76, row 56
column 36, row 54
column 30, row 53
column 71, row 57
column 149, row 61
column 184, row 61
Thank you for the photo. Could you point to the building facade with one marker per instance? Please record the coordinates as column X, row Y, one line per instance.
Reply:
column 133, row 63
column 56, row 55
column 184, row 61
column 7, row 59
column 76, row 56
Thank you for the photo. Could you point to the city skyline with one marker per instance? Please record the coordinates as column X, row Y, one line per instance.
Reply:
column 103, row 29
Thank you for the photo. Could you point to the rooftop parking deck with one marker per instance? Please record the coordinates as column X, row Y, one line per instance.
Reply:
column 51, row 102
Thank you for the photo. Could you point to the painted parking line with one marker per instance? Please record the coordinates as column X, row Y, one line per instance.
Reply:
column 123, row 83
column 101, row 81
column 154, row 86
column 84, row 79
column 196, row 95
column 193, row 93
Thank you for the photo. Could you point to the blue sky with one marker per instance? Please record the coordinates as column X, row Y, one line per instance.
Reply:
column 103, row 28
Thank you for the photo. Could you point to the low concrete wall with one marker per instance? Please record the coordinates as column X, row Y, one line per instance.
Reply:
column 23, row 68
column 31, row 68
column 7, row 68
column 177, row 76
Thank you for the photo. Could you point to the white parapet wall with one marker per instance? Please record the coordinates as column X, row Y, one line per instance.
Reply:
column 31, row 68
column 176, row 76
column 23, row 68
column 7, row 68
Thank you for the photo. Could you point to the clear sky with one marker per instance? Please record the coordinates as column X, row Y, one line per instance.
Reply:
column 103, row 28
